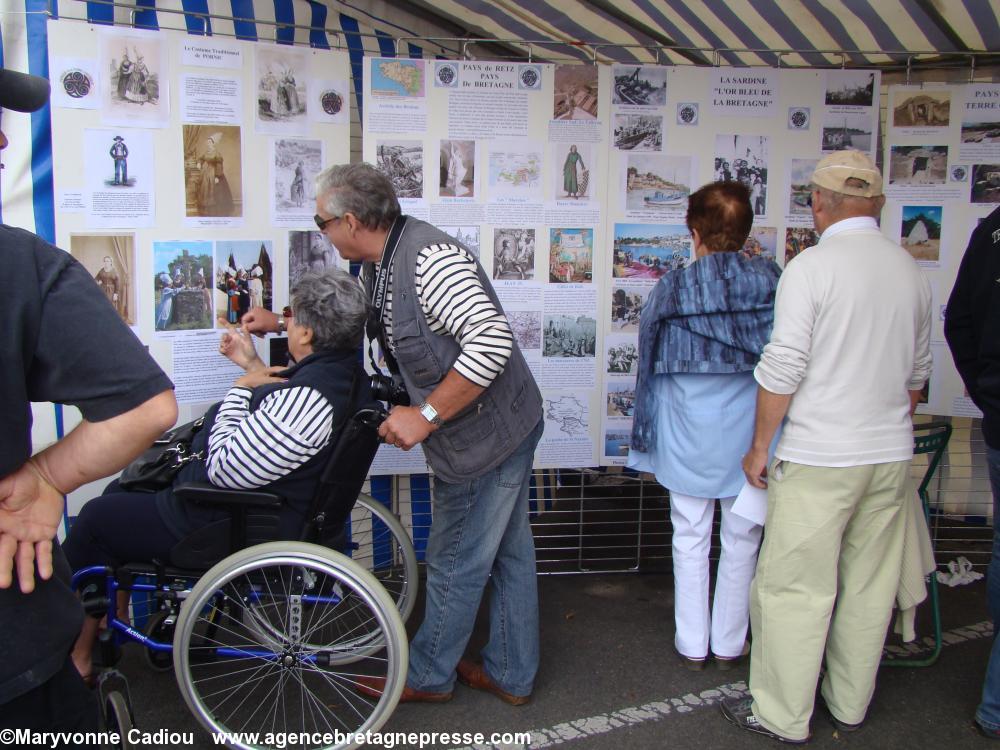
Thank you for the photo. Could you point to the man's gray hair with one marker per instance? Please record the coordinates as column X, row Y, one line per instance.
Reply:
column 334, row 305
column 359, row 189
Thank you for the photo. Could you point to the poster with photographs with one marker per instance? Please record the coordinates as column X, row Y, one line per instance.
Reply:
column 639, row 86
column 110, row 259
column 620, row 397
column 213, row 174
column 569, row 336
column 181, row 285
column 985, row 183
column 244, row 279
column 744, row 158
column 281, row 73
column 633, row 132
column 920, row 234
column 980, row 140
column 848, row 130
column 467, row 236
column 657, row 186
column 647, row 251
column 403, row 163
column 799, row 188
column 571, row 255
column 134, row 84
column 622, row 356
column 918, row 166
column 295, row 162
column 917, row 111
column 762, row 243
column 616, row 443
column 457, row 169
column 575, row 92
column 514, row 254
column 573, row 177
column 798, row 239
column 627, row 301
column 850, row 88
column 310, row 251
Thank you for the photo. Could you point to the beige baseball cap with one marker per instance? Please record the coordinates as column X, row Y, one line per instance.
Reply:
column 834, row 170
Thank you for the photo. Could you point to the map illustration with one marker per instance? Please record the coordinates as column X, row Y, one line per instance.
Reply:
column 513, row 171
column 568, row 414
column 391, row 78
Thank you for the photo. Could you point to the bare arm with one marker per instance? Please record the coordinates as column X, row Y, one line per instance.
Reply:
column 914, row 400
column 771, row 409
column 31, row 498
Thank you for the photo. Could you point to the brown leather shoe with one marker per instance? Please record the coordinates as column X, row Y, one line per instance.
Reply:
column 374, row 686
column 473, row 675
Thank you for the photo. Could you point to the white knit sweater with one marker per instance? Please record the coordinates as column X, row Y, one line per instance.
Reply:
column 851, row 336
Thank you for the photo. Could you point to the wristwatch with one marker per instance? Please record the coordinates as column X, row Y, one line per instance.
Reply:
column 281, row 325
column 429, row 413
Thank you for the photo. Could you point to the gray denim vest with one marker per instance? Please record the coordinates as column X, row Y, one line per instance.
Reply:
column 482, row 436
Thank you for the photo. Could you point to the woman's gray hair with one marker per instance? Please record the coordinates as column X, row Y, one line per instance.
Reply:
column 334, row 305
column 359, row 189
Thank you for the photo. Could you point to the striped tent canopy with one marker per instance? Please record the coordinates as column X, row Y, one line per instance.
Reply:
column 811, row 33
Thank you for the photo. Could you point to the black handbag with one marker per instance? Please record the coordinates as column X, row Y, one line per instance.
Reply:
column 156, row 468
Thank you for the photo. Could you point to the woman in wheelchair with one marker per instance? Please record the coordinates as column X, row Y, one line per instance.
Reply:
column 274, row 430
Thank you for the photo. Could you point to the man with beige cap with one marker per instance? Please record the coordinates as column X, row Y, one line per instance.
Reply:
column 847, row 358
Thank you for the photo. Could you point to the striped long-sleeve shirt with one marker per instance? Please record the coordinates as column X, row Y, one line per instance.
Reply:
column 252, row 449
column 453, row 299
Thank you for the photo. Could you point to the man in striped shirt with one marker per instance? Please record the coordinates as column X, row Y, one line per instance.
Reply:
column 478, row 418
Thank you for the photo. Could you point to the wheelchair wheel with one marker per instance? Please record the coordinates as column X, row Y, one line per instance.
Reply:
column 118, row 719
column 158, row 629
column 380, row 545
column 310, row 608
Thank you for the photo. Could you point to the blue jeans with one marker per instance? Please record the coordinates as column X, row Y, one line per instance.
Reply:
column 480, row 534
column 988, row 713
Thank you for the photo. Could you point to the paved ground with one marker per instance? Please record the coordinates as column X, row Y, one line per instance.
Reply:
column 609, row 679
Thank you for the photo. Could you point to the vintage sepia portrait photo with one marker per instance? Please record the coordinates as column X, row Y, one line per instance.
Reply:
column 213, row 170
column 110, row 259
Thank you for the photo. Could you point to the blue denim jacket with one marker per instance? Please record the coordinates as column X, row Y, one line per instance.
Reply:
column 714, row 316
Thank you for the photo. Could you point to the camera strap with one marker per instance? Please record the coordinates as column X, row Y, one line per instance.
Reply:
column 377, row 287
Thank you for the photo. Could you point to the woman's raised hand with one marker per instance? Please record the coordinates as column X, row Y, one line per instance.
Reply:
column 237, row 345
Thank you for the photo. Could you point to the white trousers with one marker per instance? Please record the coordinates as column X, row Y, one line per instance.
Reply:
column 725, row 629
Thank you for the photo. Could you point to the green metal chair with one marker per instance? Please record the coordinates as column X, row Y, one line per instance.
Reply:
column 930, row 438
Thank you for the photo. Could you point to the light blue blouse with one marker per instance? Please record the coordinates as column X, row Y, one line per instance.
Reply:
column 705, row 423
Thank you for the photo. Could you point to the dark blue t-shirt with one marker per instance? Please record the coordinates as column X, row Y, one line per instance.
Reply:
column 60, row 341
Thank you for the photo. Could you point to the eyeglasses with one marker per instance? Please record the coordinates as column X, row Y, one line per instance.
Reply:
column 323, row 223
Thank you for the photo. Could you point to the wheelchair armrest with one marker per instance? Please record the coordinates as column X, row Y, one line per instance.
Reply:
column 203, row 493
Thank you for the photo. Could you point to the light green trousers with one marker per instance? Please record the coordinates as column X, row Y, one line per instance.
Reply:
column 825, row 584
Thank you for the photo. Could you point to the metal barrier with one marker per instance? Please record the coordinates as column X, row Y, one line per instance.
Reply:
column 609, row 520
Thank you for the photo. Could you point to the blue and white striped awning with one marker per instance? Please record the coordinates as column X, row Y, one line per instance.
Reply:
column 736, row 32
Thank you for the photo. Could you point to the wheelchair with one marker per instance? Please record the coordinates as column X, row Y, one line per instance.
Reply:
column 270, row 638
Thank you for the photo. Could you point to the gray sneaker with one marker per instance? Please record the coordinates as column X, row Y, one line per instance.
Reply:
column 739, row 712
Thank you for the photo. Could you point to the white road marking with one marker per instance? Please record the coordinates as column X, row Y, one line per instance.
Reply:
column 591, row 726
